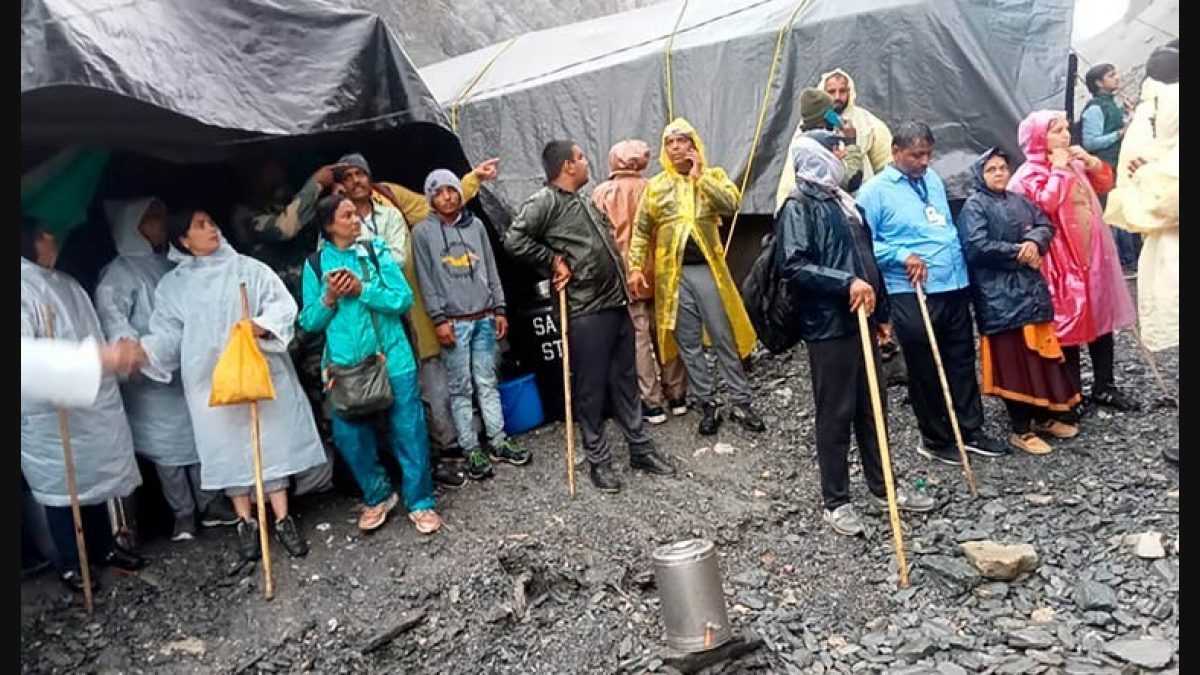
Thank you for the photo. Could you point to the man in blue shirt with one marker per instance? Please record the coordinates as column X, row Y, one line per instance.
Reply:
column 916, row 243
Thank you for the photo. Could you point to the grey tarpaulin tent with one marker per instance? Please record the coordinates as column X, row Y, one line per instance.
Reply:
column 180, row 78
column 971, row 69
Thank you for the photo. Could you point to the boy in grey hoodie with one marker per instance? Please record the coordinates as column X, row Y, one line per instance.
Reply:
column 461, row 288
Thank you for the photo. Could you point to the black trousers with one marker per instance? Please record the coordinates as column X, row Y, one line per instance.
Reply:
column 603, row 364
column 843, row 401
column 1023, row 415
column 951, row 316
column 97, row 533
column 1101, row 351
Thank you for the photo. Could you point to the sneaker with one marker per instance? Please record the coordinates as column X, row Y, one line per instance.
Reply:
column 478, row 465
column 944, row 455
column 985, row 446
column 185, row 529
column 1029, row 443
column 749, row 419
column 678, row 406
column 288, row 534
column 219, row 514
column 844, row 520
column 652, row 462
column 247, row 544
column 448, row 476
column 1130, row 273
column 73, row 579
column 710, row 420
column 507, row 451
column 912, row 502
column 1056, row 429
column 653, row 414
column 605, row 478
column 124, row 560
column 1116, row 399
column 427, row 521
column 373, row 517
column 1171, row 454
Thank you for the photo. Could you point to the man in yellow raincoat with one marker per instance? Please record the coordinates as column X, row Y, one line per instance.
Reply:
column 682, row 208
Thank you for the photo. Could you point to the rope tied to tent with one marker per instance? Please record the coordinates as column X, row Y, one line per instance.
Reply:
column 762, row 116
column 474, row 81
column 667, row 55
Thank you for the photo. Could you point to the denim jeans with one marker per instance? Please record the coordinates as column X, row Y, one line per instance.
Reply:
column 410, row 445
column 470, row 371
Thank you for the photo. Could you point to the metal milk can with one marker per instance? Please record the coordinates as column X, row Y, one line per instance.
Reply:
column 693, row 604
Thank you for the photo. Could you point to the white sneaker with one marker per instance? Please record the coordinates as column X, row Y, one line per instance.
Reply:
column 844, row 520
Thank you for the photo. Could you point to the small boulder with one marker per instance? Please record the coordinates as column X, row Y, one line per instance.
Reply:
column 1002, row 562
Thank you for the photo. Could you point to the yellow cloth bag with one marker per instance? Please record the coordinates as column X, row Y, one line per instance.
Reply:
column 241, row 374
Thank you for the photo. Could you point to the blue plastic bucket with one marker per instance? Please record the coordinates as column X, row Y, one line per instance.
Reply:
column 521, row 404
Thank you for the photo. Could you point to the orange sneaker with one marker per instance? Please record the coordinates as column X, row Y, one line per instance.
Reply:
column 426, row 521
column 373, row 517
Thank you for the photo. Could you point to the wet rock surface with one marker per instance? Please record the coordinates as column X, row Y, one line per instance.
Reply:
column 525, row 580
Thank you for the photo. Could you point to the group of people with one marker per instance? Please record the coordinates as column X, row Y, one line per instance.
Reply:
column 160, row 319
column 350, row 272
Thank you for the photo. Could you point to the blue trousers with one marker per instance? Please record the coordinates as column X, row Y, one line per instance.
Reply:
column 357, row 443
column 471, row 371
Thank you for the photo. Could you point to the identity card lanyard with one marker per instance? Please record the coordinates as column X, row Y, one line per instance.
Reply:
column 931, row 213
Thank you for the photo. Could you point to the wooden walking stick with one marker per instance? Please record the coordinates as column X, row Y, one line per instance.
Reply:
column 64, row 433
column 885, row 455
column 256, row 442
column 1167, row 398
column 566, row 365
column 937, row 359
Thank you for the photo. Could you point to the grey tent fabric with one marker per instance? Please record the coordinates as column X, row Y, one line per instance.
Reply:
column 180, row 76
column 971, row 70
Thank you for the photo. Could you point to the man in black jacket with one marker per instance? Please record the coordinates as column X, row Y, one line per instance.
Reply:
column 563, row 235
column 825, row 254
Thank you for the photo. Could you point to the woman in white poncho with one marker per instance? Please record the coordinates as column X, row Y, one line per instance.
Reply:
column 195, row 306
column 103, row 447
column 158, row 414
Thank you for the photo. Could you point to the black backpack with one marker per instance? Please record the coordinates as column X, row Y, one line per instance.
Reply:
column 769, row 302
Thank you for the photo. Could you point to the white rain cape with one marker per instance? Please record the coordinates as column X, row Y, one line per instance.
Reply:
column 100, row 437
column 158, row 413
column 195, row 305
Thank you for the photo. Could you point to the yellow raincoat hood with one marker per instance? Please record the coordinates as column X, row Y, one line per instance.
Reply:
column 673, row 209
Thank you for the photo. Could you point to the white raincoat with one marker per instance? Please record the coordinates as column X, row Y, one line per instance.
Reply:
column 158, row 413
column 195, row 306
column 62, row 372
column 1148, row 203
column 100, row 437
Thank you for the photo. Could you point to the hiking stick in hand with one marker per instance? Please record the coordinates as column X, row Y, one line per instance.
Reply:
column 885, row 454
column 256, row 442
column 64, row 433
column 566, row 366
column 937, row 359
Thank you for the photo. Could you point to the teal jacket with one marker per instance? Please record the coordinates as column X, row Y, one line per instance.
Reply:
column 349, row 335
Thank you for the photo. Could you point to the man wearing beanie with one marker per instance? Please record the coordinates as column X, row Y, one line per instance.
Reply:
column 463, row 297
column 816, row 114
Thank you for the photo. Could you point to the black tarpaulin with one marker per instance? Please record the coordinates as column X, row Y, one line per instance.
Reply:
column 179, row 77
column 970, row 68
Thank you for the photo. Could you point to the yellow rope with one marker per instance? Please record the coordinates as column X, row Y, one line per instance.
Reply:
column 471, row 85
column 762, row 116
column 670, row 46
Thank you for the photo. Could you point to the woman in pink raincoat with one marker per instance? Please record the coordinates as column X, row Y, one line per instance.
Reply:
column 1088, row 290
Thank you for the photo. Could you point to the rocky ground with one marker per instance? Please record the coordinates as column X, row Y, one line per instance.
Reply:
column 525, row 580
